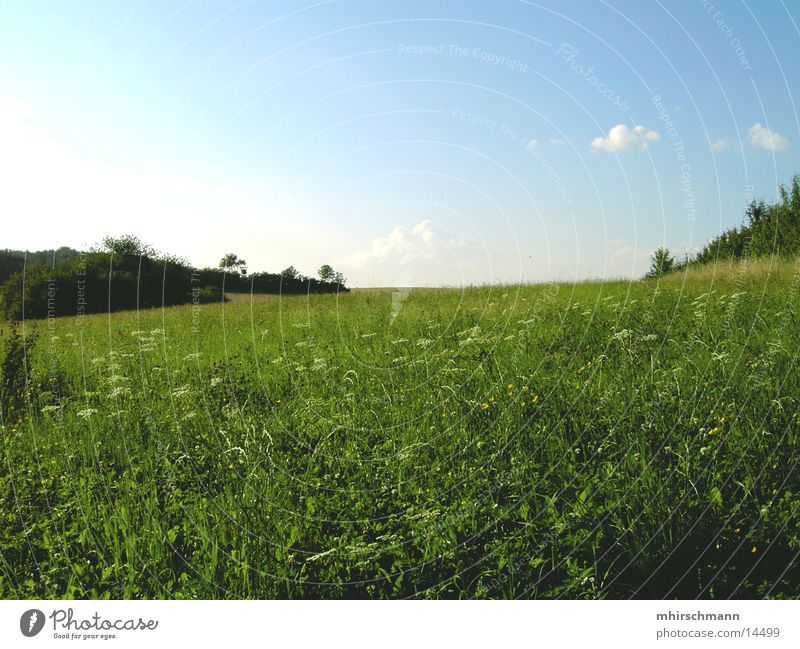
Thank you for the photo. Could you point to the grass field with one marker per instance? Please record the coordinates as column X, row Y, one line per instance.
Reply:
column 593, row 440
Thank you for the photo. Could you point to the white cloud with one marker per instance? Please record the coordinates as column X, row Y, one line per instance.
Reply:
column 402, row 246
column 621, row 252
column 620, row 137
column 534, row 143
column 625, row 259
column 720, row 144
column 764, row 138
column 412, row 256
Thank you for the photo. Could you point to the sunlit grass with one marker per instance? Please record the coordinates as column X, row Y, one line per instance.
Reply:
column 592, row 440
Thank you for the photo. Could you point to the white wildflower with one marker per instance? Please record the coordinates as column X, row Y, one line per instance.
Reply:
column 183, row 391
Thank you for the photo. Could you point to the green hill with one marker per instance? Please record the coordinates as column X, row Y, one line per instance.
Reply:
column 597, row 440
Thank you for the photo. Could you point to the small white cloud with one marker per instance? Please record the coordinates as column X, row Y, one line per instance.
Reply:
column 532, row 144
column 403, row 246
column 625, row 259
column 720, row 144
column 556, row 140
column 764, row 138
column 411, row 256
column 620, row 137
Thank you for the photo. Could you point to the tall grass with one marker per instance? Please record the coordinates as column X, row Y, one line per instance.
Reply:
column 592, row 440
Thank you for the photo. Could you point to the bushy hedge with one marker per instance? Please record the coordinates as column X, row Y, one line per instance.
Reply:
column 273, row 283
column 770, row 229
column 127, row 274
column 15, row 261
column 97, row 282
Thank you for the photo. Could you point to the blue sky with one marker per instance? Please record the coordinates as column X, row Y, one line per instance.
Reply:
column 406, row 143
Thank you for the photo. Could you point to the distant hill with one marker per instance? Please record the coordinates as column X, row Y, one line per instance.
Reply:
column 13, row 261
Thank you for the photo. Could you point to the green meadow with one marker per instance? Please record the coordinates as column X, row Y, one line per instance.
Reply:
column 593, row 440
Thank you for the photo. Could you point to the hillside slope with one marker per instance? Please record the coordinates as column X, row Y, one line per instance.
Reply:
column 596, row 440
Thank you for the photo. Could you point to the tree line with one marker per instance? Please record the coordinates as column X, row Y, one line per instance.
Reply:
column 125, row 273
column 768, row 229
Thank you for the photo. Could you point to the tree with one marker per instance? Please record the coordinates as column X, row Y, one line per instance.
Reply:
column 661, row 263
column 326, row 273
column 756, row 210
column 232, row 263
column 127, row 245
column 290, row 273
